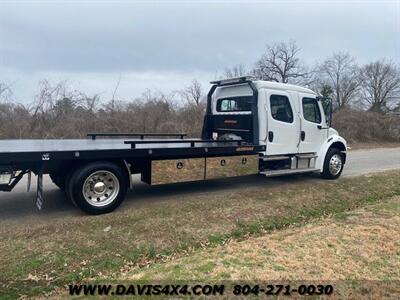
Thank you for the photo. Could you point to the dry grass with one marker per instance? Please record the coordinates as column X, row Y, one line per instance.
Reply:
column 78, row 249
column 362, row 246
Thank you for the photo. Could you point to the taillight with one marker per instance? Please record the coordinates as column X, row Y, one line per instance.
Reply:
column 6, row 174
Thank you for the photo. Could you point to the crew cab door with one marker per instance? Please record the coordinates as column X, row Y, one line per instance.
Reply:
column 313, row 125
column 282, row 123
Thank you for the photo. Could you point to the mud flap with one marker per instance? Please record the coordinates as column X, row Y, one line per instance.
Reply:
column 39, row 194
column 28, row 185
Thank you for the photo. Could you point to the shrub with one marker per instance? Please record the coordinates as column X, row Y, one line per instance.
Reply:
column 367, row 126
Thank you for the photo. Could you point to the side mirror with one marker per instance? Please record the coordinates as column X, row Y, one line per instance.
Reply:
column 328, row 109
column 330, row 112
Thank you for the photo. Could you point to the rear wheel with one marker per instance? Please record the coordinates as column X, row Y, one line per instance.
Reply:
column 333, row 164
column 98, row 187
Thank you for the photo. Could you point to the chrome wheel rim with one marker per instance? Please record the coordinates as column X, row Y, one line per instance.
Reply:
column 335, row 164
column 101, row 188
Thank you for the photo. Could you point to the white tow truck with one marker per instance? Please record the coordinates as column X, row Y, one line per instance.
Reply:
column 250, row 127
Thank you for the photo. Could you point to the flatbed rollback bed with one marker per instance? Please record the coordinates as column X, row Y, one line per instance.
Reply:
column 250, row 127
column 61, row 158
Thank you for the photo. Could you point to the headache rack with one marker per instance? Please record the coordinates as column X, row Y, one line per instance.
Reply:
column 208, row 126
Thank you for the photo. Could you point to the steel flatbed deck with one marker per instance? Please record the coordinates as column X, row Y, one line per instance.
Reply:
column 16, row 146
column 25, row 151
column 110, row 162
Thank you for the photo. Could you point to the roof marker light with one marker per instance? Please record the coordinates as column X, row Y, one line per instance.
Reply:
column 233, row 80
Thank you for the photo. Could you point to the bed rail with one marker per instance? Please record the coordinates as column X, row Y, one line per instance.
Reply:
column 141, row 135
column 192, row 142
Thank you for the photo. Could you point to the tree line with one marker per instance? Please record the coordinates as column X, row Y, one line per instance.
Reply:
column 59, row 111
column 374, row 86
column 366, row 100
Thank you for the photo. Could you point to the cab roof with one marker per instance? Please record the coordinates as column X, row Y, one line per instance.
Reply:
column 282, row 86
column 261, row 84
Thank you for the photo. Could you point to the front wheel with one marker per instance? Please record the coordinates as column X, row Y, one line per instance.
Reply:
column 98, row 187
column 333, row 164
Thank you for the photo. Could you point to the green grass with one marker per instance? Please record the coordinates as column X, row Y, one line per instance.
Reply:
column 76, row 249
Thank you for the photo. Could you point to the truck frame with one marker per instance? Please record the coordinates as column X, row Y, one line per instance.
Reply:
column 250, row 127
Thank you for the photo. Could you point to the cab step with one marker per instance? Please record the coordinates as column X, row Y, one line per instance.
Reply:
column 306, row 155
column 274, row 158
column 273, row 173
column 284, row 157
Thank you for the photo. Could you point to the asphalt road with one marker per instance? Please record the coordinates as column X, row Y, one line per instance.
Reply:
column 18, row 207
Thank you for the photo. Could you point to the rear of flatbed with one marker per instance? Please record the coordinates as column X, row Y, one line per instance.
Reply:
column 96, row 172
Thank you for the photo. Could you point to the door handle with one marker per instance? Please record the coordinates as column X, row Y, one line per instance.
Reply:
column 303, row 136
column 270, row 136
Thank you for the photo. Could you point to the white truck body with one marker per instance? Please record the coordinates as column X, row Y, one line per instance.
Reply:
column 305, row 133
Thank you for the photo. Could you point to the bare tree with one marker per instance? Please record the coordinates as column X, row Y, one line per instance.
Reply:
column 193, row 94
column 191, row 115
column 48, row 95
column 53, row 111
column 91, row 103
column 155, row 111
column 341, row 73
column 280, row 63
column 112, row 102
column 44, row 102
column 380, row 85
column 5, row 92
column 235, row 71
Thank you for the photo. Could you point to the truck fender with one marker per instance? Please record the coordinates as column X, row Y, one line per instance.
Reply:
column 333, row 141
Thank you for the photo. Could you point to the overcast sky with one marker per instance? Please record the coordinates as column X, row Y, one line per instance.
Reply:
column 165, row 45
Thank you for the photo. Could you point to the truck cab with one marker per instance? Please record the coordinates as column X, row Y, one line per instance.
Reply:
column 288, row 119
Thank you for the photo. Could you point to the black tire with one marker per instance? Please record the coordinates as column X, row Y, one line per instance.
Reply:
column 58, row 180
column 329, row 173
column 86, row 175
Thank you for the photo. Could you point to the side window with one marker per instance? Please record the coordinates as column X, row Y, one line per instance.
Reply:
column 311, row 110
column 281, row 109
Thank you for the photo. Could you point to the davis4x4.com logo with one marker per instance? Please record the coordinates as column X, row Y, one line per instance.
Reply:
column 146, row 290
